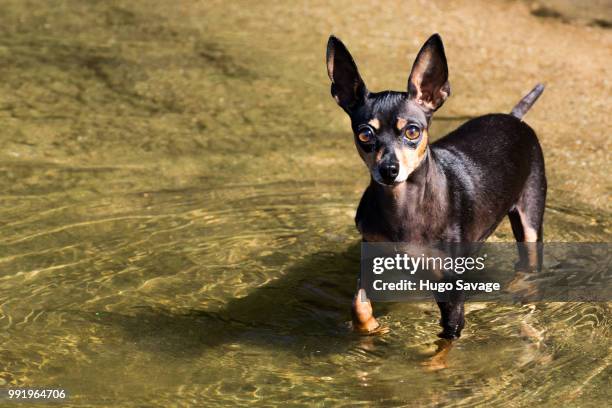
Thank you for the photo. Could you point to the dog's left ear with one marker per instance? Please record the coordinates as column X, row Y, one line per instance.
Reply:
column 428, row 82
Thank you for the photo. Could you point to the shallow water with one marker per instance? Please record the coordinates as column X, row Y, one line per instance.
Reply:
column 178, row 196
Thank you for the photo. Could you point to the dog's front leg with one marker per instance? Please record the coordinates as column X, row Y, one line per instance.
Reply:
column 363, row 318
column 452, row 315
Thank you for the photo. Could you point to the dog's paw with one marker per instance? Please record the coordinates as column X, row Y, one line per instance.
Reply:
column 439, row 360
column 363, row 317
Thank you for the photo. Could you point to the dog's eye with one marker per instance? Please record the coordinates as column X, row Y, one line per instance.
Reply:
column 412, row 132
column 366, row 135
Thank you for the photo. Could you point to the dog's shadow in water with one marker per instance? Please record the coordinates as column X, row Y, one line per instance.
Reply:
column 306, row 308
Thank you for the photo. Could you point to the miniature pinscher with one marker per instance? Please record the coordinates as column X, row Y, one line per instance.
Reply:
column 457, row 189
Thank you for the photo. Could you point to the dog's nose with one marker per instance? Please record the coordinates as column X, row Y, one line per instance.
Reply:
column 389, row 171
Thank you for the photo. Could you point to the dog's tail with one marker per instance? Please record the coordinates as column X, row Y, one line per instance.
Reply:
column 527, row 102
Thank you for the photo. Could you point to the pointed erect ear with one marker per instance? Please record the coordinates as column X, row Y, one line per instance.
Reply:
column 428, row 82
column 347, row 86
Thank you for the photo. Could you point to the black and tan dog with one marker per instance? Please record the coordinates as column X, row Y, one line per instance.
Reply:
column 457, row 189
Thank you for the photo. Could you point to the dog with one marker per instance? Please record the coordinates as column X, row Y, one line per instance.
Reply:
column 457, row 189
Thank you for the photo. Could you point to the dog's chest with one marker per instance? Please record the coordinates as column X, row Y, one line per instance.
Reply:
column 374, row 228
column 380, row 221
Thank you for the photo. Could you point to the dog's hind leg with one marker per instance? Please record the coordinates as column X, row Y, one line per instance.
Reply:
column 526, row 218
column 527, row 215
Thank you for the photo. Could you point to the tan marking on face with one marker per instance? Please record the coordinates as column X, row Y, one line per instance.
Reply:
column 379, row 155
column 375, row 123
column 368, row 158
column 401, row 123
column 411, row 158
column 422, row 145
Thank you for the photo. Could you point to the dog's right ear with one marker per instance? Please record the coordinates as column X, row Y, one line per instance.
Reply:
column 347, row 86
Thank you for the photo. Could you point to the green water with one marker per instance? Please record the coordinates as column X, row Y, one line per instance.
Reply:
column 178, row 193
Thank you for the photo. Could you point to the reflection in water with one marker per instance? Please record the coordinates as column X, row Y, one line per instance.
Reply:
column 177, row 228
